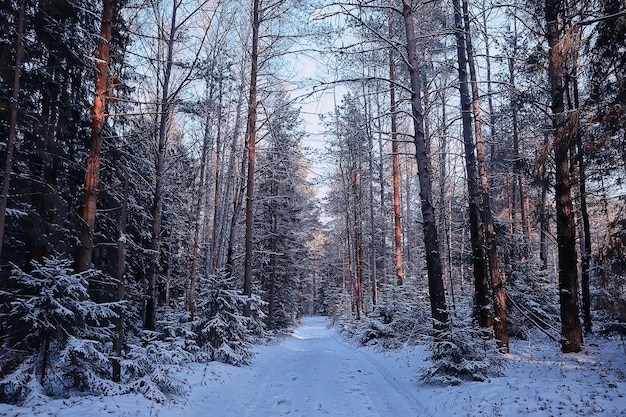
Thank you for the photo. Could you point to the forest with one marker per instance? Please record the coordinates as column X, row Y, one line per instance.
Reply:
column 186, row 179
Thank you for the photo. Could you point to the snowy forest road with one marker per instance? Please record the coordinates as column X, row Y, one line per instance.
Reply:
column 312, row 373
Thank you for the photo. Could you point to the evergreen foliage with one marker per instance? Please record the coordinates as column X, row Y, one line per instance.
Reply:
column 461, row 353
column 223, row 333
column 55, row 333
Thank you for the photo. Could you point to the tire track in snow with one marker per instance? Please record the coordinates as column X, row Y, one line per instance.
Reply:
column 315, row 373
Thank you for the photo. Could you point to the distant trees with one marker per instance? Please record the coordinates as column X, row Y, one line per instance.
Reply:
column 284, row 216
column 534, row 171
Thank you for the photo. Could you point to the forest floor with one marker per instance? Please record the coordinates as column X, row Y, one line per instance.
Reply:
column 315, row 372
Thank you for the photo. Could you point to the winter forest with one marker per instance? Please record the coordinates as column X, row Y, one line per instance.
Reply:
column 185, row 181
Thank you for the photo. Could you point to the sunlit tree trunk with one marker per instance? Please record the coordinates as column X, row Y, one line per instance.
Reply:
column 477, row 237
column 497, row 286
column 395, row 167
column 97, row 124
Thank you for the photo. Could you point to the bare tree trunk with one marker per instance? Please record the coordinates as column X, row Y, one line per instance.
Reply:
column 8, row 166
column 566, row 229
column 216, row 195
column 373, row 269
column 395, row 169
column 492, row 114
column 247, row 279
column 165, row 115
column 445, row 222
column 198, row 225
column 121, row 267
column 586, row 256
column 238, row 198
column 481, row 273
column 97, row 123
column 584, row 214
column 543, row 216
column 517, row 181
column 497, row 286
column 433, row 260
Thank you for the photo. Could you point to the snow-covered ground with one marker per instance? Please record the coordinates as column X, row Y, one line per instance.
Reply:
column 314, row 372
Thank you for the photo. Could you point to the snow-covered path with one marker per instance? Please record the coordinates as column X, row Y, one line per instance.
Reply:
column 314, row 372
column 311, row 373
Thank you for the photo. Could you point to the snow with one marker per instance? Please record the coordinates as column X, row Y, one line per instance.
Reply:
column 314, row 372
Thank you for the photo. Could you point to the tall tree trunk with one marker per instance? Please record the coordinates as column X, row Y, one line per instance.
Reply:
column 92, row 175
column 197, row 214
column 497, row 286
column 383, row 203
column 232, row 185
column 584, row 214
column 118, row 338
column 477, row 237
column 571, row 331
column 8, row 166
column 165, row 115
column 216, row 195
column 373, row 269
column 271, row 301
column 445, row 222
column 395, row 167
column 492, row 114
column 438, row 306
column 586, row 255
column 247, row 279
column 543, row 214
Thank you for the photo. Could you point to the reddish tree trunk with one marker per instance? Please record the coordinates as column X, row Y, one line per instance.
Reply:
column 480, row 270
column 395, row 167
column 97, row 123
column 497, row 286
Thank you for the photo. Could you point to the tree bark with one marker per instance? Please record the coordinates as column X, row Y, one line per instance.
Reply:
column 247, row 279
column 586, row 255
column 571, row 331
column 395, row 166
column 497, row 286
column 92, row 175
column 165, row 115
column 438, row 306
column 8, row 166
column 477, row 237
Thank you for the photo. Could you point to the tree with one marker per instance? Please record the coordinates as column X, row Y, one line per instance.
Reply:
column 477, row 230
column 97, row 124
column 252, row 113
column 431, row 241
column 571, row 331
column 497, row 285
column 284, row 217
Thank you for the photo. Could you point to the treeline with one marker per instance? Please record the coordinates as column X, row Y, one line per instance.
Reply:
column 478, row 157
column 125, row 183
